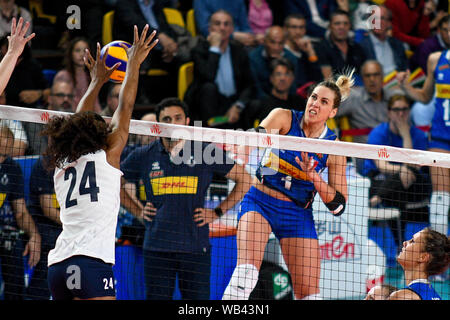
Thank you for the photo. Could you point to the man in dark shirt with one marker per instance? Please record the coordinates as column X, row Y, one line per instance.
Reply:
column 176, row 180
column 222, row 83
column 338, row 53
column 281, row 78
column 45, row 211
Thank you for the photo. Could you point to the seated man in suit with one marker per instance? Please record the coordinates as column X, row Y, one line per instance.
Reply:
column 164, row 56
column 222, row 83
column 378, row 45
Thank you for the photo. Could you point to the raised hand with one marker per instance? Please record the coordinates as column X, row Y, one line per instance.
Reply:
column 17, row 39
column 97, row 68
column 141, row 46
column 308, row 164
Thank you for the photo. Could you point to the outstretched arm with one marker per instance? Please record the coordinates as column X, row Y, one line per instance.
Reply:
column 99, row 76
column 16, row 43
column 120, row 121
column 424, row 94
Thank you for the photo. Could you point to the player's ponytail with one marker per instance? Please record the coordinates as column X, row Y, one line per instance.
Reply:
column 345, row 82
column 341, row 86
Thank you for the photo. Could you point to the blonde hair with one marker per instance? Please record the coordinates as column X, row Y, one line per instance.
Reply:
column 345, row 82
column 341, row 87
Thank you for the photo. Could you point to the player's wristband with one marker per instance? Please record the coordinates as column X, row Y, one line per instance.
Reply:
column 218, row 211
column 337, row 205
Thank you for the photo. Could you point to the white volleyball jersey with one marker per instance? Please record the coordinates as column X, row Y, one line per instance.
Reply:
column 88, row 192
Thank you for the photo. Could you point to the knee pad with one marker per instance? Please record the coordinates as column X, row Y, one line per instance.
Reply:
column 439, row 206
column 242, row 282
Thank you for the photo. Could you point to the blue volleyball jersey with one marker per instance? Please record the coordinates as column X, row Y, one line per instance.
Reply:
column 176, row 188
column 440, row 128
column 279, row 170
column 424, row 290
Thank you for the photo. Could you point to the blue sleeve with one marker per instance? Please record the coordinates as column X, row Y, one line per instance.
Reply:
column 16, row 182
column 420, row 140
column 202, row 13
column 377, row 136
column 241, row 21
column 41, row 181
column 130, row 166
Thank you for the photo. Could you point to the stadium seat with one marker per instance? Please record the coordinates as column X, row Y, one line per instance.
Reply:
column 36, row 11
column 190, row 22
column 185, row 77
column 107, row 28
column 344, row 124
column 174, row 16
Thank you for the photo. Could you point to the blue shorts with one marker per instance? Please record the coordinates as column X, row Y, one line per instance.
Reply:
column 286, row 219
column 81, row 277
column 439, row 144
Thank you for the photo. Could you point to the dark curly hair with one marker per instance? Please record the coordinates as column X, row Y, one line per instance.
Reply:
column 72, row 136
column 438, row 246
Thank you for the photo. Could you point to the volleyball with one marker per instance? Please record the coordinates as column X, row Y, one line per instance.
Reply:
column 116, row 54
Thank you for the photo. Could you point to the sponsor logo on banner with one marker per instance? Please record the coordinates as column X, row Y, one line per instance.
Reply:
column 383, row 154
column 155, row 129
column 174, row 185
column 45, row 116
column 334, row 243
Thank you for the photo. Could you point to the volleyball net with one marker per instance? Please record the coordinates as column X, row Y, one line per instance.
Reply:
column 180, row 257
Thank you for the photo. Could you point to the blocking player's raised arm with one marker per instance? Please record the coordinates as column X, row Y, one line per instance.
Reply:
column 137, row 53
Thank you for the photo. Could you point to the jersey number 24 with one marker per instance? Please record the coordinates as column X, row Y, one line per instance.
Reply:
column 88, row 183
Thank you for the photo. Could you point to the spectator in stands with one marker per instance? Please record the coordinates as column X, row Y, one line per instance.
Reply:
column 61, row 98
column 27, row 86
column 261, row 57
column 223, row 83
column 14, row 217
column 177, row 234
column 338, row 52
column 16, row 127
column 112, row 100
column 403, row 186
column 75, row 71
column 301, row 46
column 163, row 56
column 317, row 13
column 281, row 79
column 435, row 13
column 379, row 45
column 242, row 32
column 409, row 23
column 44, row 209
column 9, row 10
column 438, row 42
column 366, row 107
column 260, row 18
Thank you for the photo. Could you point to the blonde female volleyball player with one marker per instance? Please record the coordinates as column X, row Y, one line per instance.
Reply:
column 425, row 255
column 85, row 152
column 280, row 200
